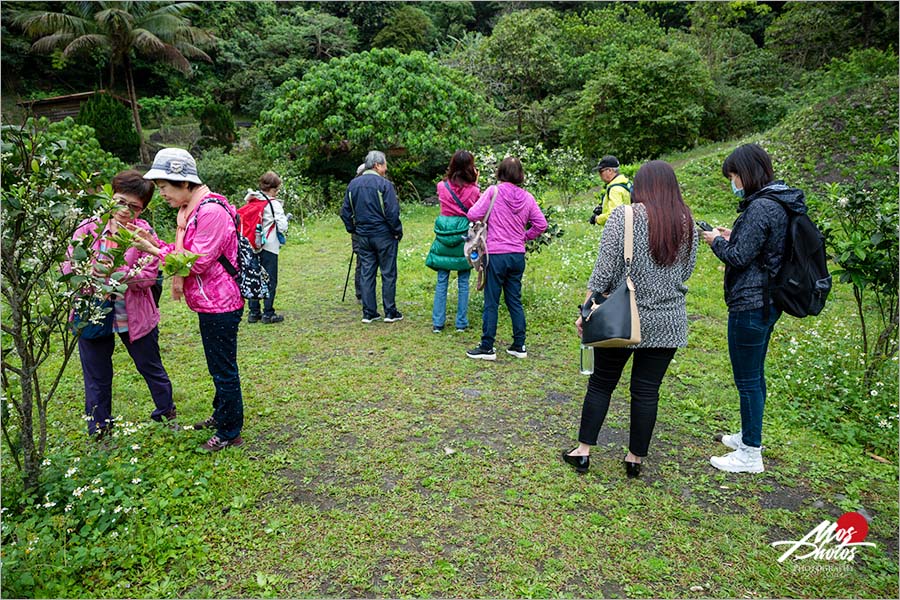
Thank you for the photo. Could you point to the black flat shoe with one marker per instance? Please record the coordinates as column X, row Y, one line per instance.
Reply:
column 580, row 463
column 632, row 469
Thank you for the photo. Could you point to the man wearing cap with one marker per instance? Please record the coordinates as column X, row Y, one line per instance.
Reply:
column 618, row 189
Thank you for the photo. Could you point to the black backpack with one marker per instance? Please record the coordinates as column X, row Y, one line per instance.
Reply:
column 801, row 286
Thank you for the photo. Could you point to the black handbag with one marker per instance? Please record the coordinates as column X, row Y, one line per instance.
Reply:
column 613, row 321
column 92, row 331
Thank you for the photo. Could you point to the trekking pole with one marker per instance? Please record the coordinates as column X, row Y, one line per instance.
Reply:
column 347, row 282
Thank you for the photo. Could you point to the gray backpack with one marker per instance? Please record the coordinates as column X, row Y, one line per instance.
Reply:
column 476, row 244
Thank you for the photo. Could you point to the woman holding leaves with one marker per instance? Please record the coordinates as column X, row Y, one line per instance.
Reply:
column 206, row 228
column 134, row 315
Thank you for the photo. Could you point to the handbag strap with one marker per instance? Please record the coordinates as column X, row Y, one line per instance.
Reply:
column 272, row 208
column 628, row 246
column 491, row 207
column 462, row 206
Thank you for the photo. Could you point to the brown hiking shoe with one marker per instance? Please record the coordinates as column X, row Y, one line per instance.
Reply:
column 209, row 423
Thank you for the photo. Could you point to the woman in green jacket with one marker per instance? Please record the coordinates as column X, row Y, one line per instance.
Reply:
column 457, row 191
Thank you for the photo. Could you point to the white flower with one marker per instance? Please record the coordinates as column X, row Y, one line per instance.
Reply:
column 873, row 392
column 46, row 462
column 68, row 507
column 71, row 472
column 133, row 460
column 49, row 504
column 136, row 480
column 117, row 510
column 135, row 446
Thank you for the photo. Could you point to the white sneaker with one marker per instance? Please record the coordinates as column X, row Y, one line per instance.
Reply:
column 733, row 440
column 745, row 459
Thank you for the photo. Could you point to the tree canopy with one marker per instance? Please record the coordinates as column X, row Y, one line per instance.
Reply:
column 380, row 99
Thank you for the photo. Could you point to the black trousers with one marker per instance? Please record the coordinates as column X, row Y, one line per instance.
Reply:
column 377, row 253
column 647, row 371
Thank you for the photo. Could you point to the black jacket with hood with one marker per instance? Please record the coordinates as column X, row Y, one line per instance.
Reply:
column 756, row 246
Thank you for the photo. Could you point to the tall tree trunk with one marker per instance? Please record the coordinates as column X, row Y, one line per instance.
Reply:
column 132, row 96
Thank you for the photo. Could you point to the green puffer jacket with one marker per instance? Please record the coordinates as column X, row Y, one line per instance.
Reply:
column 446, row 252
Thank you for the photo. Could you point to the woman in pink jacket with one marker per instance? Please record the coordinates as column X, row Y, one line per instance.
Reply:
column 134, row 317
column 206, row 226
column 514, row 219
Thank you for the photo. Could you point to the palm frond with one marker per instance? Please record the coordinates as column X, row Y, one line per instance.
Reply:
column 147, row 43
column 39, row 23
column 191, row 51
column 176, row 8
column 114, row 19
column 49, row 43
column 87, row 42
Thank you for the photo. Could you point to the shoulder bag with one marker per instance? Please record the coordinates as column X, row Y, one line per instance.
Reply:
column 613, row 321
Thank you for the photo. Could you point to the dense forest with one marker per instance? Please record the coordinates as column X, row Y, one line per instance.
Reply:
column 317, row 84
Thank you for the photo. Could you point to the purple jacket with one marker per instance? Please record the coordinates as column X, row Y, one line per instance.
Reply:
column 210, row 232
column 515, row 218
column 467, row 194
column 143, row 315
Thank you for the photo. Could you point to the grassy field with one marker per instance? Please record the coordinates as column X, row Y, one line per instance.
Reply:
column 379, row 461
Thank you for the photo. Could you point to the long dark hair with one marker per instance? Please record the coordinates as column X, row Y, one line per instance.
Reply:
column 752, row 164
column 669, row 218
column 461, row 168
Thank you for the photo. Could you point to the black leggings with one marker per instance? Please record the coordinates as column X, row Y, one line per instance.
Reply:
column 647, row 371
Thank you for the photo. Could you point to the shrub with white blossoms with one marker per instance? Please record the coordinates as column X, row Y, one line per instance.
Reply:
column 51, row 182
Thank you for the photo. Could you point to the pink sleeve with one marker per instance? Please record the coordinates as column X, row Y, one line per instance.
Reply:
column 213, row 224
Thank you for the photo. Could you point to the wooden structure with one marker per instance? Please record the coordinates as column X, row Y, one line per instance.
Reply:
column 60, row 107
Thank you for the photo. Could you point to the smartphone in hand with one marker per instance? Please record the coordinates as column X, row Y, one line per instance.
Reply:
column 703, row 225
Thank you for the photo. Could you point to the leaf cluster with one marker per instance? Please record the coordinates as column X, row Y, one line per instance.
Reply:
column 417, row 105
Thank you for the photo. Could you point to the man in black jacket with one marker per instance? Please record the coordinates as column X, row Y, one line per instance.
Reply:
column 371, row 212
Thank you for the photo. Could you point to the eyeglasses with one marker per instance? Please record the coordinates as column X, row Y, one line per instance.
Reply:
column 135, row 208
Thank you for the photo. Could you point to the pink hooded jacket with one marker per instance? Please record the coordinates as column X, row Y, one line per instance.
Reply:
column 210, row 232
column 515, row 218
column 143, row 315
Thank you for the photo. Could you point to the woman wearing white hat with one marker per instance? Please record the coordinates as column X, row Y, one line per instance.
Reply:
column 206, row 226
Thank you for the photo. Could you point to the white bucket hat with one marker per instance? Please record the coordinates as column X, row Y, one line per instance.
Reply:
column 173, row 164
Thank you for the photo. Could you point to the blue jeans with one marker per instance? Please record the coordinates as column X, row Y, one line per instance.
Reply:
column 377, row 253
column 503, row 273
column 218, row 331
column 748, row 342
column 439, row 310
column 269, row 262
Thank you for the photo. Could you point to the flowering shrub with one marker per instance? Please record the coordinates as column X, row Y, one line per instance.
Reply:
column 562, row 169
column 817, row 377
column 118, row 502
column 44, row 199
column 861, row 225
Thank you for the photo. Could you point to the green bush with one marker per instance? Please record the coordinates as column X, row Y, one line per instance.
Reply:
column 334, row 115
column 216, row 127
column 652, row 103
column 233, row 173
column 83, row 151
column 113, row 125
column 155, row 109
column 410, row 29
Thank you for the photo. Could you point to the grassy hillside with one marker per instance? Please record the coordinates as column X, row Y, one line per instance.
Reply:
column 380, row 462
